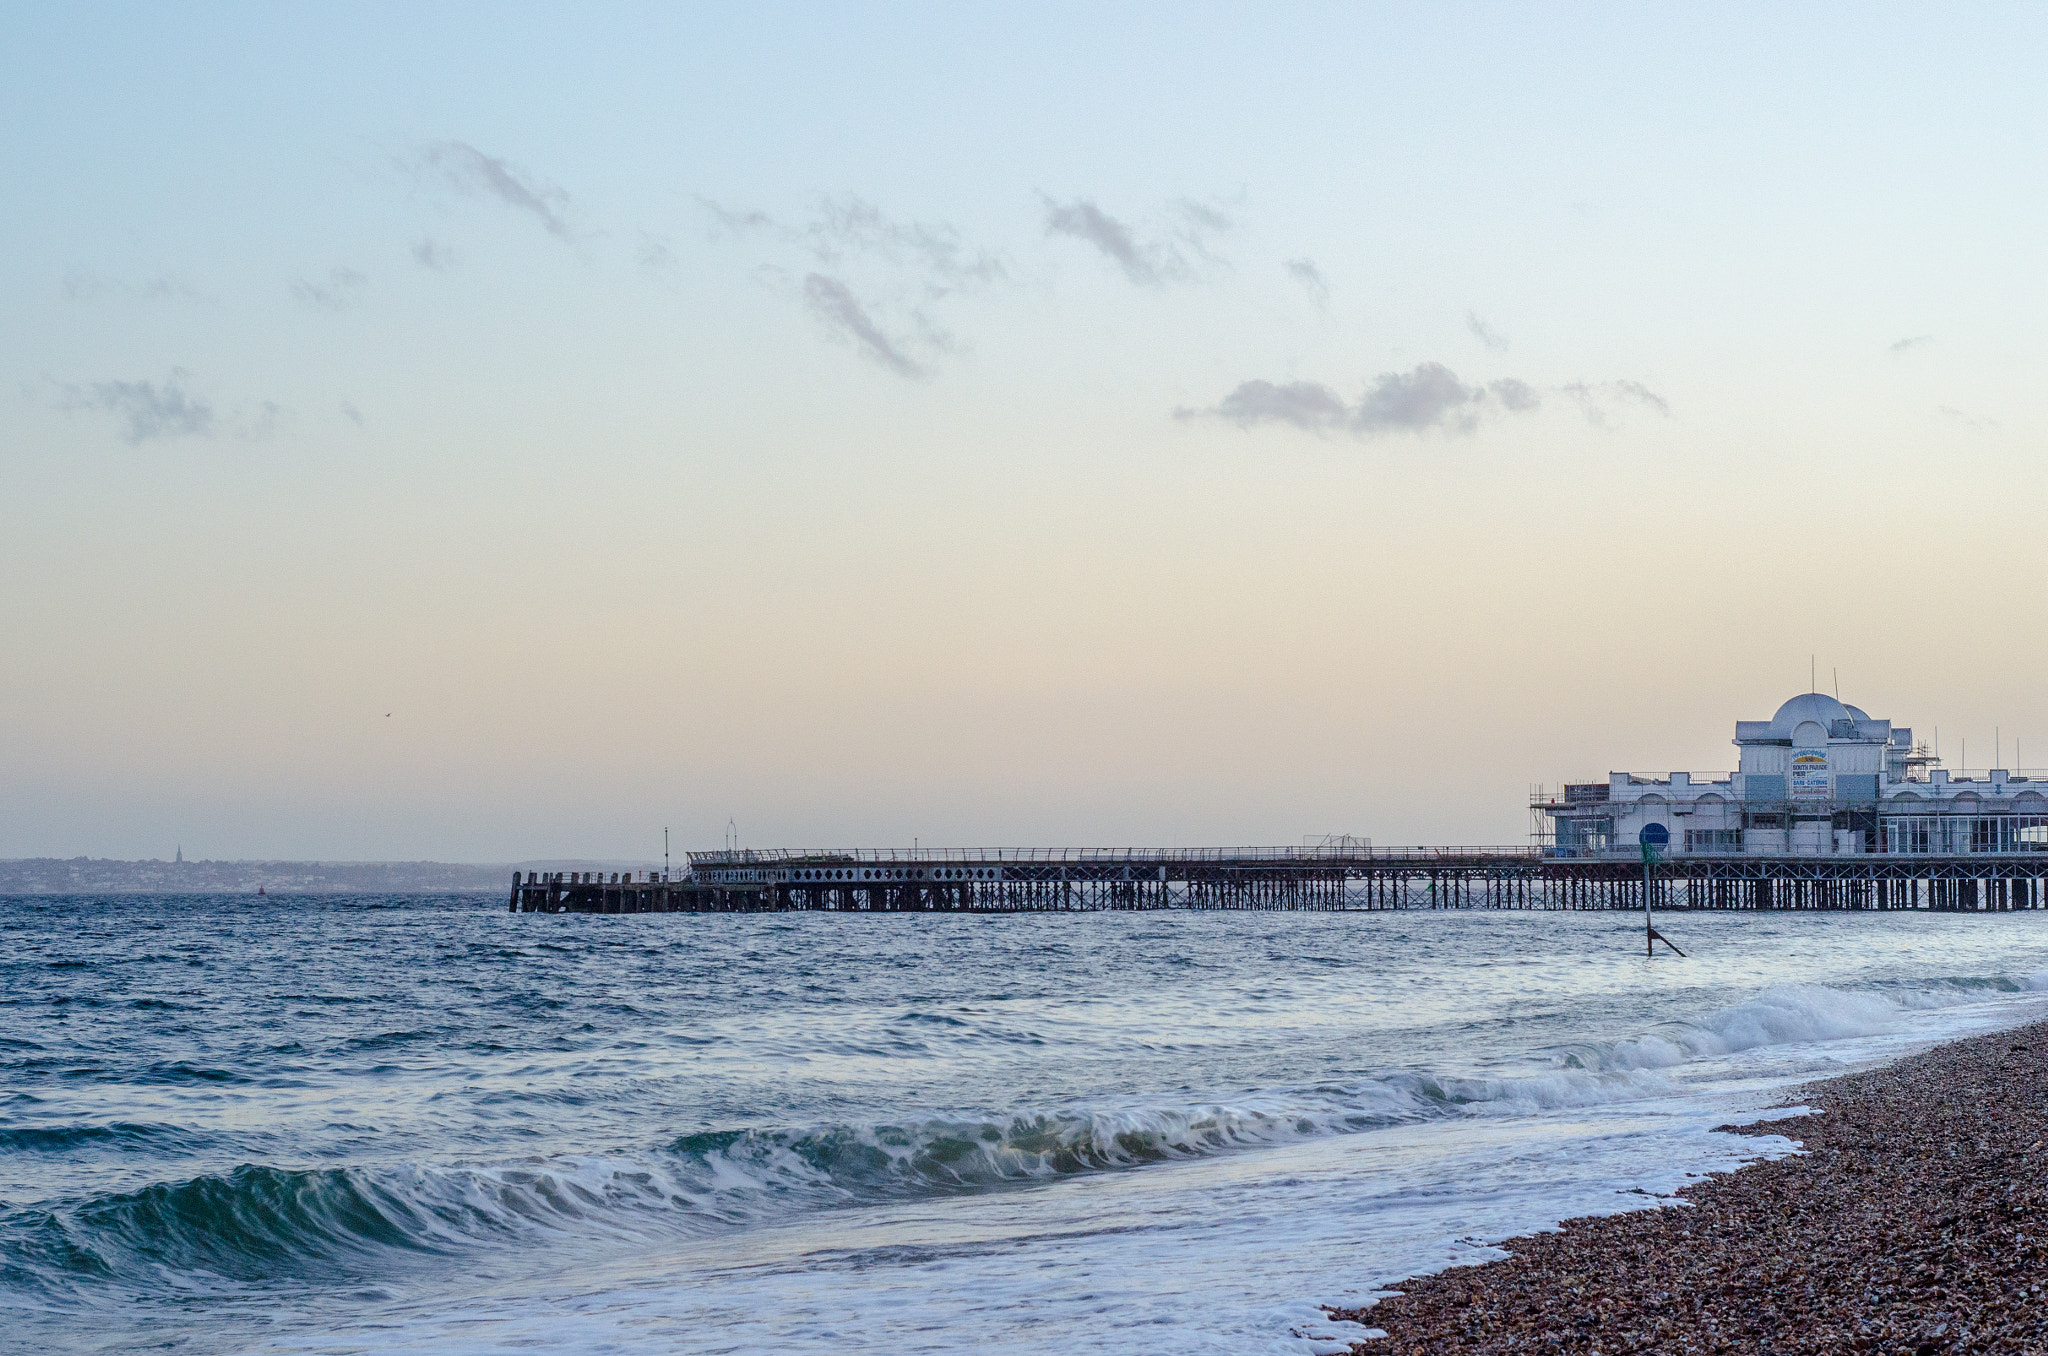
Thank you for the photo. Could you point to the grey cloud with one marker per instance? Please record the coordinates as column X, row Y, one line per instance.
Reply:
column 1515, row 396
column 1485, row 333
column 331, row 293
column 1305, row 272
column 1907, row 345
column 834, row 303
column 1147, row 263
column 1428, row 397
column 150, row 411
column 351, row 413
column 432, row 254
column 464, row 168
column 1304, row 404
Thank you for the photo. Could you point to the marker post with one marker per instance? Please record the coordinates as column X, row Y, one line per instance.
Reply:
column 1654, row 839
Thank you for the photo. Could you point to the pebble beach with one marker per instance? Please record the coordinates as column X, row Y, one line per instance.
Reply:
column 1913, row 1222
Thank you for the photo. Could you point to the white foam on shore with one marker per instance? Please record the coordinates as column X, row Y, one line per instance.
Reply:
column 1230, row 1247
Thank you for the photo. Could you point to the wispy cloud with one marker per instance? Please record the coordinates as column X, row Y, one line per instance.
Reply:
column 332, row 293
column 430, row 253
column 736, row 221
column 1956, row 416
column 834, row 304
column 148, row 411
column 1428, row 398
column 1311, row 280
column 79, row 286
column 655, row 256
column 1485, row 333
column 1907, row 345
column 351, row 413
column 459, row 166
column 937, row 251
column 934, row 256
column 872, row 279
column 1594, row 398
column 1149, row 258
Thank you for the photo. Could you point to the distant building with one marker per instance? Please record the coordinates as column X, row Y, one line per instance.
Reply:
column 1818, row 778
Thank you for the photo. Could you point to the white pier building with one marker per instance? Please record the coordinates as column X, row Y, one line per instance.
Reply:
column 1817, row 779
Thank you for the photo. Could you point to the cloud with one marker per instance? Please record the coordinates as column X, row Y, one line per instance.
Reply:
column 852, row 225
column 1956, row 416
column 1304, row 404
column 1907, row 345
column 332, row 293
column 1428, row 398
column 1515, row 396
column 871, row 278
column 655, row 255
column 164, row 287
column 834, row 303
column 736, row 222
column 150, row 411
column 1149, row 262
column 1305, row 272
column 1485, row 333
column 430, row 253
column 1593, row 398
column 351, row 413
column 1202, row 217
column 465, row 169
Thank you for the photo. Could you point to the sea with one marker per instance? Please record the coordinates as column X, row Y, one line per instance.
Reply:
column 404, row 1123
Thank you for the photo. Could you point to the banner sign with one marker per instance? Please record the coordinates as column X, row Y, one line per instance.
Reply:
column 1810, row 774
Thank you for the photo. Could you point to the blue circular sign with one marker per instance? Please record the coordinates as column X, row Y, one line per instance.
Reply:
column 1654, row 835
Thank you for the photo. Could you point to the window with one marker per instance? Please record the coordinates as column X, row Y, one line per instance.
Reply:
column 1713, row 840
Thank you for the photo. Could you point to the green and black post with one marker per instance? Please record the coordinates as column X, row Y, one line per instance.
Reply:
column 1654, row 838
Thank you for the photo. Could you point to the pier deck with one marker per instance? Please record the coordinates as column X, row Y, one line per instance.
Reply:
column 1051, row 880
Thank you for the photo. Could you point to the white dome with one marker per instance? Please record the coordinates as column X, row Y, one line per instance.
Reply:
column 1814, row 706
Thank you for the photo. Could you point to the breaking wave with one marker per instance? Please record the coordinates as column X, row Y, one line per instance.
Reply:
column 263, row 1224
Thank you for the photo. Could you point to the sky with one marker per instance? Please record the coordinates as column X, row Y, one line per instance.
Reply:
column 501, row 432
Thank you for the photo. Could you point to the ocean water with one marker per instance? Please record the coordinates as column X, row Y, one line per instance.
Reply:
column 422, row 1124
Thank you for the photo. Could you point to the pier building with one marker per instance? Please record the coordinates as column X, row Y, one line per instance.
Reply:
column 1818, row 779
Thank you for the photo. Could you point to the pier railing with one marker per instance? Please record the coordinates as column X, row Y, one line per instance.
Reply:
column 744, row 857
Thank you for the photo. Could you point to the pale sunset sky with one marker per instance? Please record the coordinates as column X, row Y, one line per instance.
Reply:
column 495, row 432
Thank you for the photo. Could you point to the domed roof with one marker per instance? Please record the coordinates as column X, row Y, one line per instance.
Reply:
column 1814, row 706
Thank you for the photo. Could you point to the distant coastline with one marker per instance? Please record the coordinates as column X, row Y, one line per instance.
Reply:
column 92, row 875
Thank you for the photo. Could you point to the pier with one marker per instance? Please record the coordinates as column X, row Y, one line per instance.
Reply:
column 1055, row 880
